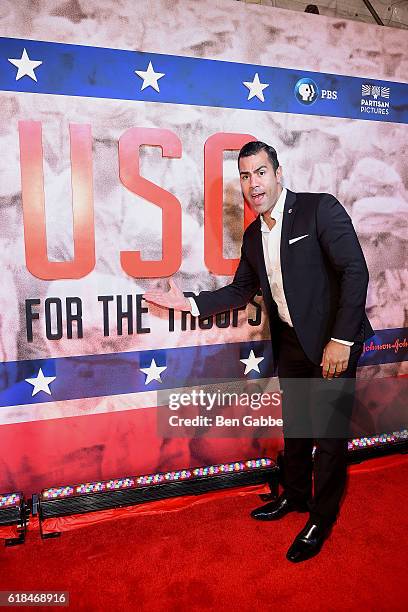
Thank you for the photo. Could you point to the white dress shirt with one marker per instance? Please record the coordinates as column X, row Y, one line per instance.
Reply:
column 271, row 239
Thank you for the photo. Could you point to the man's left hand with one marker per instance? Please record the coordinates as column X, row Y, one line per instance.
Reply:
column 335, row 359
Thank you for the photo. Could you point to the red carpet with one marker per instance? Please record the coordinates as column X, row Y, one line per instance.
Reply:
column 212, row 556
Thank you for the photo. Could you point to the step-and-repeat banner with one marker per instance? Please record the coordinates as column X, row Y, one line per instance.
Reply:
column 119, row 132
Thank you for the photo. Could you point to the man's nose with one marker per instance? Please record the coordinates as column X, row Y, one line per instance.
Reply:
column 253, row 180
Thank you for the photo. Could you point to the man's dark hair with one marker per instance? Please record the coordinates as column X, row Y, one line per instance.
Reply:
column 252, row 148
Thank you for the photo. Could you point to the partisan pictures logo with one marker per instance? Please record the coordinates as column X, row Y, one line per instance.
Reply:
column 307, row 92
column 375, row 99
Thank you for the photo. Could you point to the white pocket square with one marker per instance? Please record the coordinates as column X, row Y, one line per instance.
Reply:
column 292, row 240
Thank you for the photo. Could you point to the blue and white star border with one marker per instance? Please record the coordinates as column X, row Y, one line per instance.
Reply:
column 98, row 72
column 57, row 379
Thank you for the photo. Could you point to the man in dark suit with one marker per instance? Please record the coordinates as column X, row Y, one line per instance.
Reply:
column 303, row 252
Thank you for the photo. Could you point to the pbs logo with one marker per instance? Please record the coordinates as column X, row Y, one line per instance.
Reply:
column 329, row 94
column 306, row 91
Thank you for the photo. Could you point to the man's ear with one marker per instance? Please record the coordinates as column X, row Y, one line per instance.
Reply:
column 279, row 174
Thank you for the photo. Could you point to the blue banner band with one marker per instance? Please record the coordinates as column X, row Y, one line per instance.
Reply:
column 98, row 72
column 121, row 373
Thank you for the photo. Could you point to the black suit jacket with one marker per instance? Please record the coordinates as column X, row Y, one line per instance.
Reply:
column 325, row 276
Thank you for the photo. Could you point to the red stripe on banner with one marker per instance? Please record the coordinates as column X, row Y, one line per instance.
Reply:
column 65, row 451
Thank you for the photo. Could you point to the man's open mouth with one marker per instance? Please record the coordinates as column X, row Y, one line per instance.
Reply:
column 257, row 197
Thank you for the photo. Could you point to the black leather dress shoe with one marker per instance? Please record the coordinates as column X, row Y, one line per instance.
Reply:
column 308, row 542
column 277, row 509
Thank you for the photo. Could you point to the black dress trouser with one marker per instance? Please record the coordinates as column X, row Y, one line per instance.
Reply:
column 315, row 411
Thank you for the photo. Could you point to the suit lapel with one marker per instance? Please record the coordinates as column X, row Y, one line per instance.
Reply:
column 260, row 260
column 263, row 277
column 289, row 213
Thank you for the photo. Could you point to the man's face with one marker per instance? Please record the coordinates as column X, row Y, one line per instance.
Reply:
column 259, row 183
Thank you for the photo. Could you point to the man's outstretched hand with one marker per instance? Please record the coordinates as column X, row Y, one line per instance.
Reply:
column 174, row 298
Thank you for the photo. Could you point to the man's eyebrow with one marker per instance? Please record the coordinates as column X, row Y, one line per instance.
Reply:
column 257, row 170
